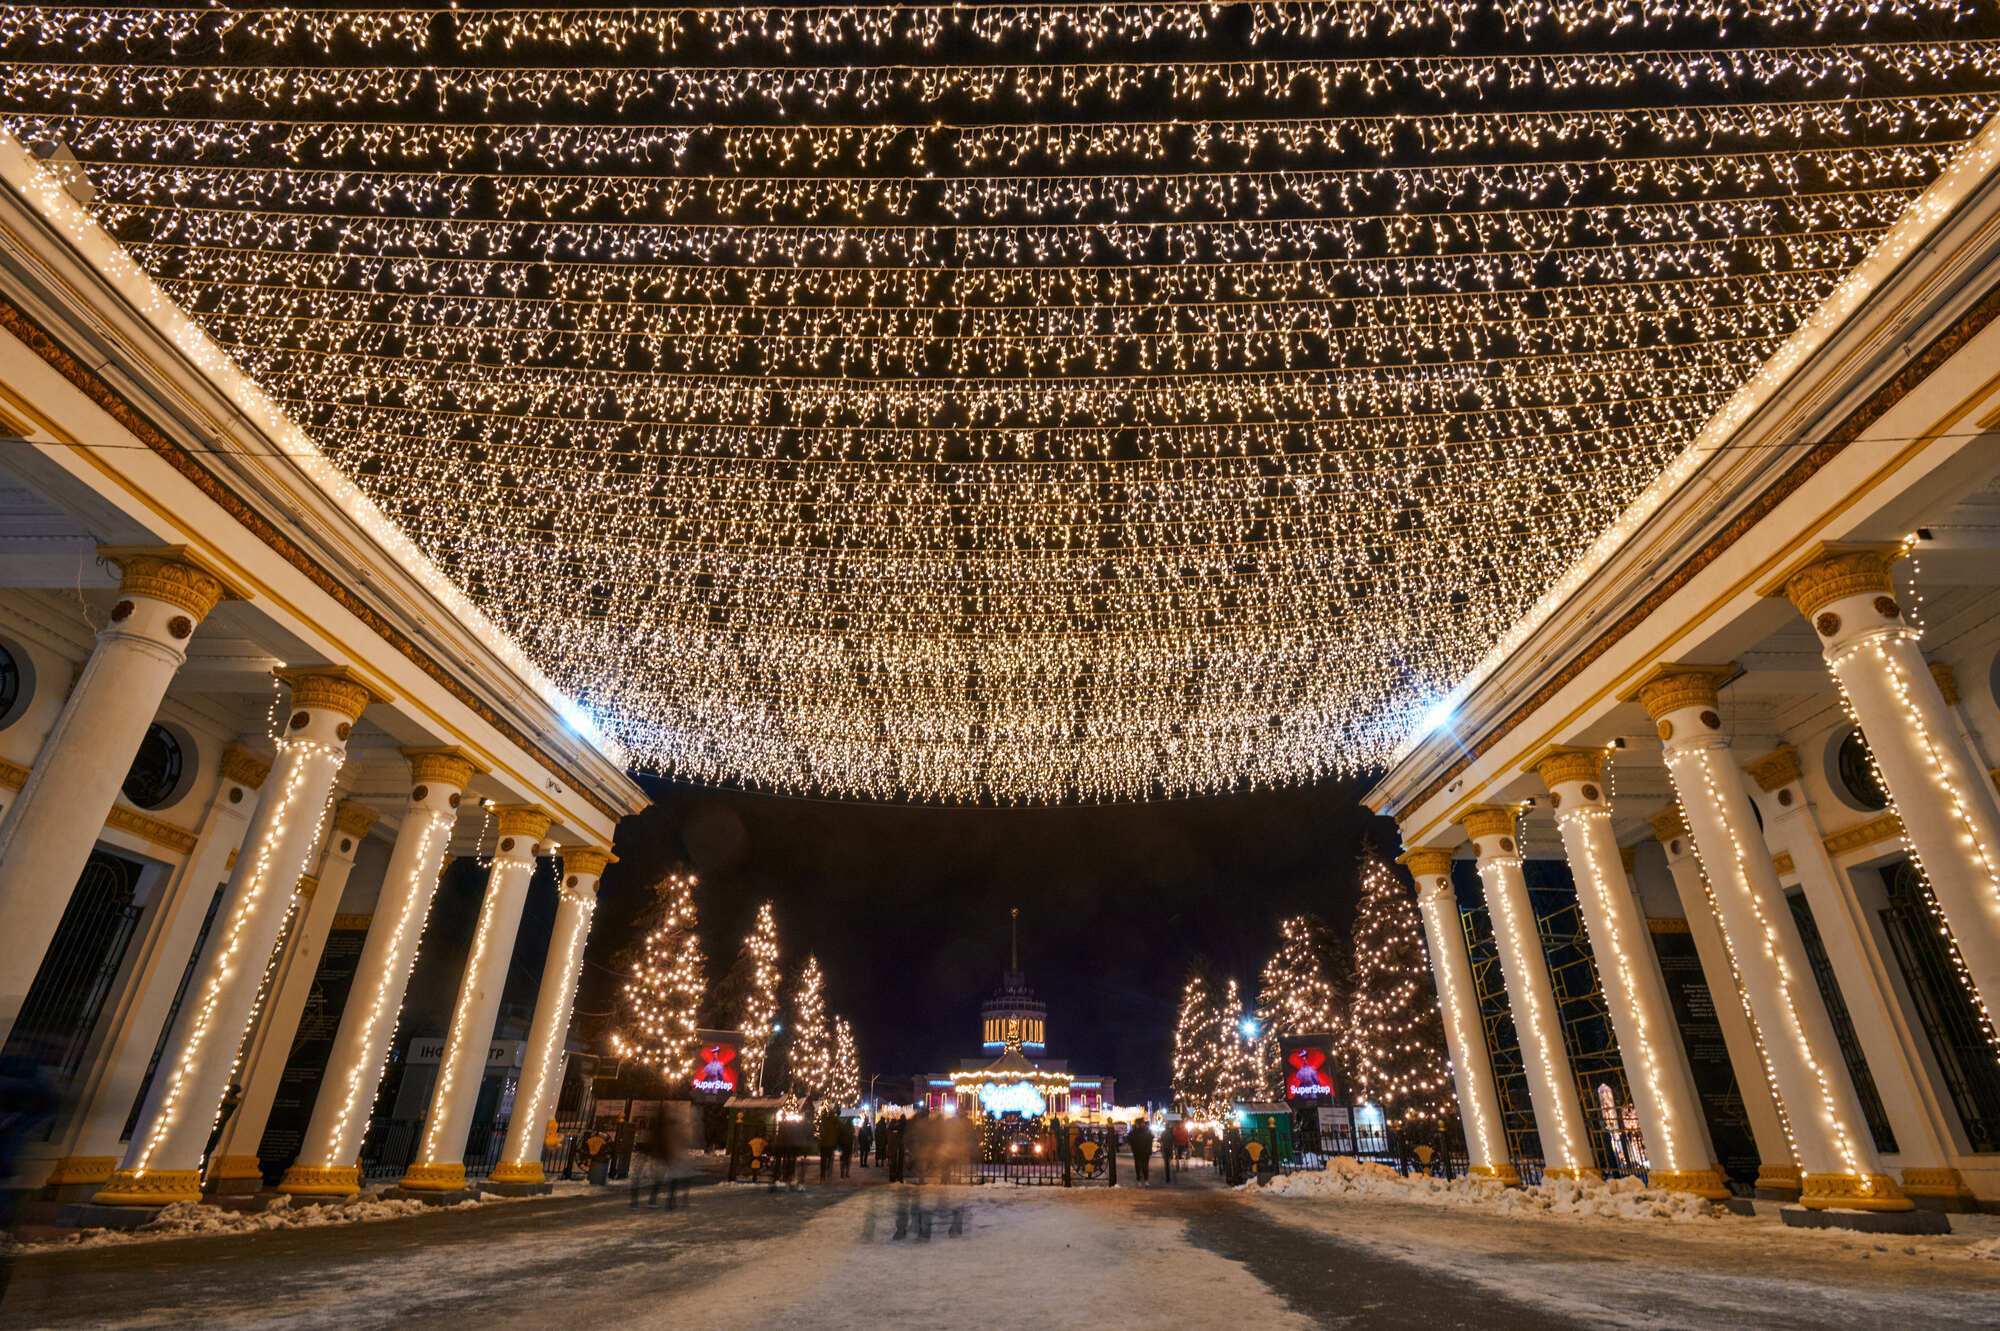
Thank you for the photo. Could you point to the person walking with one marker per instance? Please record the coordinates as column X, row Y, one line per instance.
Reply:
column 845, row 1144
column 645, row 1165
column 829, row 1140
column 1141, row 1141
column 864, row 1140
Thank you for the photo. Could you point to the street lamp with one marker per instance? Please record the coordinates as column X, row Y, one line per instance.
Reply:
column 1249, row 1028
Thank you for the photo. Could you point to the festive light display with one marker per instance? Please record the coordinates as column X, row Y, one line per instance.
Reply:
column 759, row 1013
column 1396, row 1031
column 811, row 1061
column 663, row 999
column 846, row 1085
column 1200, row 1035
column 1300, row 992
column 995, row 402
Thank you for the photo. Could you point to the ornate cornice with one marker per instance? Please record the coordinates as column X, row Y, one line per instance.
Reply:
column 1836, row 441
column 1426, row 862
column 1484, row 820
column 586, row 860
column 1779, row 767
column 523, row 820
column 245, row 767
column 1562, row 765
column 1840, row 574
column 177, row 839
column 163, row 578
column 1880, row 828
column 354, row 818
column 440, row 767
column 93, row 386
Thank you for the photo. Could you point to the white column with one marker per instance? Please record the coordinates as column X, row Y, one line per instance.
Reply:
column 1947, row 683
column 1530, row 995
column 1777, row 1164
column 1944, row 797
column 541, row 1078
column 163, row 1163
column 440, row 1164
column 49, row 830
column 1642, row 1015
column 1464, row 1034
column 1841, row 1168
column 329, row 1156
column 94, row 1138
column 234, row 1166
column 1862, row 974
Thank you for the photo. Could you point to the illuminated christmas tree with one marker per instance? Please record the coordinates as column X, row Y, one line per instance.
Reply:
column 811, row 1060
column 756, row 971
column 846, row 1064
column 1398, row 1044
column 1238, row 1039
column 661, row 1004
column 1198, row 1046
column 1302, row 992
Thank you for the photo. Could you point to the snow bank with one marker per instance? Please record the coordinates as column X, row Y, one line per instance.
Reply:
column 1986, row 1249
column 1614, row 1199
column 189, row 1219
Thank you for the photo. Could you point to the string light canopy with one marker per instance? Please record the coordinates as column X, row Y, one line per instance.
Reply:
column 994, row 402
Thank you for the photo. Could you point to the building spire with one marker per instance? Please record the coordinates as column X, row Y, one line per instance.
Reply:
column 1014, row 933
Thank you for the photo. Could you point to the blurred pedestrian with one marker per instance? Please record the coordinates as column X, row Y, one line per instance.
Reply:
column 864, row 1140
column 1141, row 1141
column 645, row 1166
column 673, row 1145
column 844, row 1145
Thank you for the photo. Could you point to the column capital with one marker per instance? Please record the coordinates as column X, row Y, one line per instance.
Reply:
column 244, row 766
column 1426, row 862
column 441, row 767
column 170, row 573
column 1779, row 767
column 1671, row 687
column 354, row 818
column 1563, row 763
column 1832, row 572
column 308, row 886
column 333, row 689
column 530, row 821
column 585, row 861
column 1947, row 681
column 1491, row 820
column 1668, row 824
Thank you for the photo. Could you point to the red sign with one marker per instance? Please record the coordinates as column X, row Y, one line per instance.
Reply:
column 715, row 1071
column 1307, row 1077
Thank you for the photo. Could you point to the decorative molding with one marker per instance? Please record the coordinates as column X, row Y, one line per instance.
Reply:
column 244, row 766
column 1673, row 687
column 1779, row 767
column 331, row 689
column 440, row 767
column 1840, row 574
column 1562, row 765
column 13, row 774
column 1782, row 864
column 174, row 581
column 353, row 923
column 1836, row 441
column 1668, row 823
column 1883, row 827
column 523, row 820
column 586, row 860
column 354, row 818
column 1667, row 924
column 308, row 886
column 1947, row 682
column 17, row 322
column 177, row 839
column 1489, row 820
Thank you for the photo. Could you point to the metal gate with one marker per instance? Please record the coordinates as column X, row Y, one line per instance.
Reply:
column 1965, row 1056
column 63, row 1004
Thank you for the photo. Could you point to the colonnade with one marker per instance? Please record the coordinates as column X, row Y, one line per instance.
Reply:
column 249, row 982
column 1800, row 1098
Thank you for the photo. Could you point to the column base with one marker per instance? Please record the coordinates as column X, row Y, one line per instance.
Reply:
column 433, row 1178
column 1867, row 1222
column 1939, row 1190
column 322, row 1181
column 1574, row 1175
column 522, row 1180
column 234, row 1176
column 76, row 1178
column 149, row 1187
column 1852, row 1192
column 1778, row 1183
column 1505, row 1175
column 502, row 1188
column 1705, row 1183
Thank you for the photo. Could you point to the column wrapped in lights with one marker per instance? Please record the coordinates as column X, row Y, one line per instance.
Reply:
column 52, row 824
column 1777, row 1161
column 163, row 1163
column 1840, row 1167
column 328, row 1164
column 440, row 1163
column 235, row 1166
column 1465, row 1037
column 520, row 1166
column 1951, row 822
column 1670, row 1117
column 1524, row 966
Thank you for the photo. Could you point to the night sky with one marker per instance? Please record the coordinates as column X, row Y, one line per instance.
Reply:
column 907, row 907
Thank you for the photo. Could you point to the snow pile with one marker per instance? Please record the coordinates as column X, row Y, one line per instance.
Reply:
column 198, row 1218
column 1986, row 1249
column 1616, row 1199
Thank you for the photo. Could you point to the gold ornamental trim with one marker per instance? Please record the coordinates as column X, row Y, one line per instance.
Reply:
column 1853, row 1192
column 308, row 886
column 1426, row 862
column 1947, row 682
column 244, row 766
column 1701, row 1182
column 441, row 767
column 354, row 923
column 1779, row 767
column 1560, row 765
column 1669, row 823
column 1879, row 828
column 150, row 1187
column 1938, row 1182
column 1576, row 1175
column 530, row 1173
column 1673, row 687
column 431, row 1177
column 1628, row 858
column 1484, row 820
column 1782, row 864
column 1668, row 925
column 321, row 1181
column 232, row 1167
column 590, row 860
column 523, row 820
column 13, row 774
column 354, row 818
column 331, row 689
column 1838, row 574
column 151, row 829
column 74, row 1169
column 1779, row 1178
column 166, row 574
column 1503, row 1174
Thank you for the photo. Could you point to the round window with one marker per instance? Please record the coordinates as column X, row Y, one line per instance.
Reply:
column 10, row 684
column 155, row 777
column 1856, row 771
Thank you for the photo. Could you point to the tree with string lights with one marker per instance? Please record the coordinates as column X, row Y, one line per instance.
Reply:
column 810, row 1062
column 660, row 1008
column 752, row 986
column 1238, row 1041
column 1397, row 1034
column 846, row 1088
column 1304, row 990
column 1200, row 1045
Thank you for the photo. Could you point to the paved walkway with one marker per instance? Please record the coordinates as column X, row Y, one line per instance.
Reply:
column 870, row 1255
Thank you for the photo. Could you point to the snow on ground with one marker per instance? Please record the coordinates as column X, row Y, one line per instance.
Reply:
column 189, row 1219
column 1611, row 1199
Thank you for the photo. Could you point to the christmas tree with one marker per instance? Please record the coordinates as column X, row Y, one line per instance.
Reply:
column 1198, row 1046
column 1302, row 992
column 756, row 971
column 661, row 1005
column 811, row 1062
column 846, row 1065
column 1398, row 1044
column 1237, row 1050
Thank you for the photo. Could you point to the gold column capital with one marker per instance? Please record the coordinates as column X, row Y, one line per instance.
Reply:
column 590, row 861
column 1833, row 572
column 1779, row 767
column 354, row 818
column 1567, row 763
column 441, row 766
column 1426, row 862
column 331, row 688
column 1671, row 687
column 523, row 820
column 170, row 573
column 244, row 766
column 1947, row 681
column 1484, row 820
